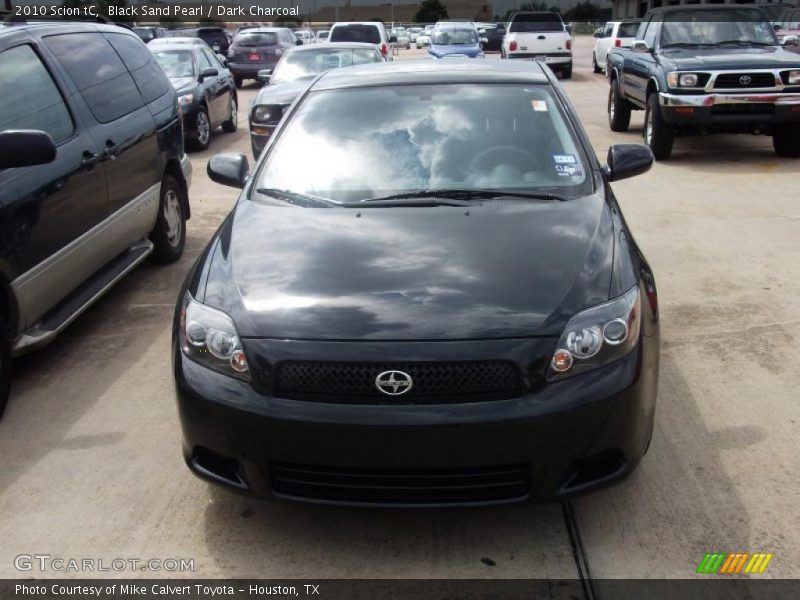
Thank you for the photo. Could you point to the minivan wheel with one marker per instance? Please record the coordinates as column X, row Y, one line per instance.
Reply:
column 231, row 124
column 169, row 233
column 202, row 129
column 786, row 141
column 658, row 134
column 5, row 366
column 619, row 111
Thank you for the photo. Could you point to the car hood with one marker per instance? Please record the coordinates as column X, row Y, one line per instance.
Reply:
column 282, row 93
column 450, row 49
column 739, row 59
column 504, row 269
column 183, row 83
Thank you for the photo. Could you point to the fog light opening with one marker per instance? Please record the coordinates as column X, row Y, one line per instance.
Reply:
column 218, row 467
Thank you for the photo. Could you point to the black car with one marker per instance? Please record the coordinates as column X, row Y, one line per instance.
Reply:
column 93, row 177
column 215, row 37
column 148, row 34
column 707, row 69
column 294, row 71
column 205, row 88
column 492, row 37
column 437, row 302
column 259, row 49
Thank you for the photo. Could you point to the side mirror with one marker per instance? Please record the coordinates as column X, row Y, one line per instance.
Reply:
column 484, row 40
column 25, row 148
column 640, row 46
column 223, row 59
column 210, row 72
column 627, row 160
column 790, row 40
column 393, row 39
column 298, row 42
column 264, row 75
column 229, row 169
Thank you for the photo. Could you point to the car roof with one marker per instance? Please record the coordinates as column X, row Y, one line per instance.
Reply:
column 374, row 23
column 353, row 45
column 72, row 26
column 423, row 71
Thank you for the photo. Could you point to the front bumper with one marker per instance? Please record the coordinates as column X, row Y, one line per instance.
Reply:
column 565, row 437
column 730, row 108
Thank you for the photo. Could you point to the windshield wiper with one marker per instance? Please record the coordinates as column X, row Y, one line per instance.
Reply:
column 298, row 198
column 742, row 43
column 456, row 194
column 687, row 45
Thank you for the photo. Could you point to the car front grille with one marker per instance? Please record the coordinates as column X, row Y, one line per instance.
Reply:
column 744, row 80
column 406, row 487
column 432, row 382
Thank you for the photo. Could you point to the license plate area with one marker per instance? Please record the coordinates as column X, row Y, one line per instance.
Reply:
column 254, row 56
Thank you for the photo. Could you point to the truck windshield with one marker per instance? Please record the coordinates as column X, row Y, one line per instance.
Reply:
column 710, row 28
column 536, row 22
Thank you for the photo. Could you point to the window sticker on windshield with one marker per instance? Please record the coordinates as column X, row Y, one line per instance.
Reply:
column 566, row 165
column 539, row 105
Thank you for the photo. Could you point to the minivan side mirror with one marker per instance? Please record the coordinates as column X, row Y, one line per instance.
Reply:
column 25, row 148
column 210, row 72
column 627, row 160
column 229, row 169
column 640, row 46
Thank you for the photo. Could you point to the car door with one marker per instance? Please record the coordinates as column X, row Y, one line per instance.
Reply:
column 218, row 88
column 603, row 44
column 640, row 65
column 52, row 215
column 123, row 126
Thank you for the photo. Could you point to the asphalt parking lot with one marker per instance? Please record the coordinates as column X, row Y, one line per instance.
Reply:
column 90, row 441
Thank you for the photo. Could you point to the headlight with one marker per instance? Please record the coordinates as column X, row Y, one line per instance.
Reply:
column 185, row 99
column 598, row 336
column 682, row 79
column 209, row 337
column 267, row 113
column 793, row 78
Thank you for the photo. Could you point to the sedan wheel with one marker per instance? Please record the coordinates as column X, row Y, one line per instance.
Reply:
column 203, row 129
column 231, row 124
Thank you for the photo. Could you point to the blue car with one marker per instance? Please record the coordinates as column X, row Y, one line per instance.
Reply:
column 455, row 42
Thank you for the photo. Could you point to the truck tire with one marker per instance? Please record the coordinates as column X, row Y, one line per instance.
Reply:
column 5, row 365
column 786, row 141
column 566, row 72
column 619, row 110
column 169, row 233
column 658, row 134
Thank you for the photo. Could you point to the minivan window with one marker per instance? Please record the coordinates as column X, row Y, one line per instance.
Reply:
column 150, row 79
column 257, row 38
column 99, row 73
column 540, row 22
column 367, row 34
column 356, row 144
column 30, row 98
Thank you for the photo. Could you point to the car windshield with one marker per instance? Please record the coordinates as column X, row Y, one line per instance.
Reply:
column 307, row 63
column 176, row 63
column 715, row 27
column 454, row 36
column 257, row 38
column 355, row 33
column 355, row 144
column 541, row 22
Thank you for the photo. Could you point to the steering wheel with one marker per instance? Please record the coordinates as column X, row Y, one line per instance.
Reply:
column 478, row 163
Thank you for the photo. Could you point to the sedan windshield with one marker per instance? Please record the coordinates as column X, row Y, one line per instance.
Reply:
column 710, row 27
column 176, row 63
column 455, row 36
column 349, row 145
column 308, row 63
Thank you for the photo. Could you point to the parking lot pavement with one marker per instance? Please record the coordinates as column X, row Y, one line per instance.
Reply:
column 90, row 440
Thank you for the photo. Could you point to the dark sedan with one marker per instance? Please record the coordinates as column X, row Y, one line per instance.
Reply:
column 206, row 92
column 292, row 75
column 492, row 37
column 259, row 49
column 426, row 295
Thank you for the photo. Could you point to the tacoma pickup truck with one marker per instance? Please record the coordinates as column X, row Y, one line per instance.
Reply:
column 707, row 69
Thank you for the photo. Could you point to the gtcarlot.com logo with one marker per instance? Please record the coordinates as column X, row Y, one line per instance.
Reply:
column 722, row 563
column 47, row 562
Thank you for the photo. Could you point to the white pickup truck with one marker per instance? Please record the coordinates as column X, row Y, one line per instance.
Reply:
column 540, row 36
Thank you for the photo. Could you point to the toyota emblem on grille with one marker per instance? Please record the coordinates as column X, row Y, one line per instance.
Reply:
column 393, row 383
column 745, row 79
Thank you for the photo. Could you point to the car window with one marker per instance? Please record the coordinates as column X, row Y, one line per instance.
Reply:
column 203, row 62
column 149, row 78
column 608, row 30
column 538, row 22
column 454, row 36
column 352, row 144
column 99, row 73
column 307, row 63
column 650, row 33
column 212, row 59
column 368, row 34
column 30, row 98
column 744, row 25
column 176, row 63
column 627, row 30
column 257, row 38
